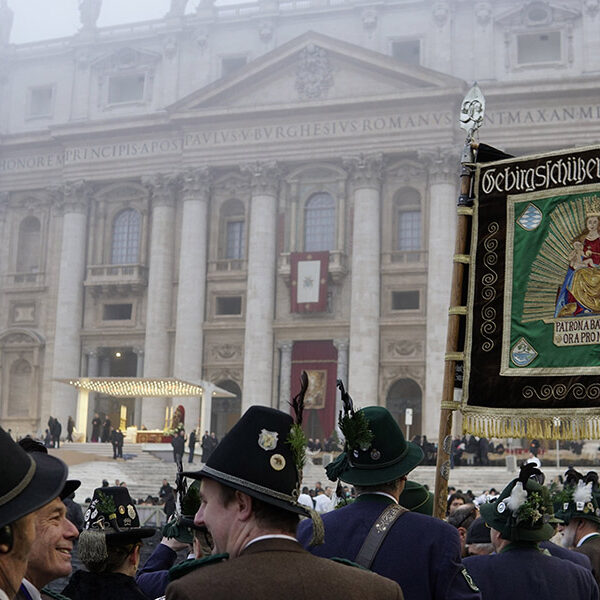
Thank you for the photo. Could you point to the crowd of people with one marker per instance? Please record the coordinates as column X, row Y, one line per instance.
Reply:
column 247, row 528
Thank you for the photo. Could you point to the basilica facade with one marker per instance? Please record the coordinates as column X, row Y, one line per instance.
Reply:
column 238, row 193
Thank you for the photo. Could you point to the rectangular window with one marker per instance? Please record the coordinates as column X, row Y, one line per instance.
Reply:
column 41, row 101
column 229, row 305
column 117, row 312
column 405, row 300
column 230, row 64
column 126, row 88
column 409, row 230
column 535, row 48
column 408, row 51
column 235, row 240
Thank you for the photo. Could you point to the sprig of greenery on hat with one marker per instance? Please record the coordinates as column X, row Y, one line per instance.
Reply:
column 528, row 506
column 357, row 433
column 296, row 438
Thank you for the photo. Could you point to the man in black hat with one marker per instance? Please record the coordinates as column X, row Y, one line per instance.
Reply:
column 27, row 483
column 50, row 557
column 421, row 553
column 109, row 547
column 579, row 512
column 249, row 489
column 519, row 519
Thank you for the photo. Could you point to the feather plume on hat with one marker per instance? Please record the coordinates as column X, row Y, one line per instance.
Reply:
column 518, row 497
column 583, row 492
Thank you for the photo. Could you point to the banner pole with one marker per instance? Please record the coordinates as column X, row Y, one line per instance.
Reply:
column 472, row 112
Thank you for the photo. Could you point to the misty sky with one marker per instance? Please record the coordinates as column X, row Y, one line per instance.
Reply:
column 44, row 19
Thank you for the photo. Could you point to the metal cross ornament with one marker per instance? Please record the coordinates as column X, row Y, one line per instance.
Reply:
column 472, row 111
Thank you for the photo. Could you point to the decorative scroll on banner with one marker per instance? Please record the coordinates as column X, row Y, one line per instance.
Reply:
column 309, row 281
column 532, row 356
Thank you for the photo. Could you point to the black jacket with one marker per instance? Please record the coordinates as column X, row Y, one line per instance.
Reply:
column 89, row 586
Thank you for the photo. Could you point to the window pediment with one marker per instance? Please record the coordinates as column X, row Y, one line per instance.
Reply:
column 537, row 14
column 126, row 59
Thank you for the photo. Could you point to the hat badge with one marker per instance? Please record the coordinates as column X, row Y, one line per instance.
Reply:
column 375, row 454
column 501, row 507
column 267, row 440
column 277, row 462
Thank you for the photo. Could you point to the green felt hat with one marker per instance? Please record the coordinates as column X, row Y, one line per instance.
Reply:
column 579, row 501
column 522, row 511
column 379, row 454
column 416, row 498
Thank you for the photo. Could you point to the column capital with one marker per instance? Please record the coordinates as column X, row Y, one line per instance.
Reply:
column 365, row 170
column 162, row 188
column 442, row 164
column 195, row 183
column 285, row 345
column 138, row 351
column 71, row 196
column 265, row 176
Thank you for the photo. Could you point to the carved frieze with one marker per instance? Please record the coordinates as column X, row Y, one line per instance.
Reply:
column 404, row 349
column 314, row 74
column 222, row 352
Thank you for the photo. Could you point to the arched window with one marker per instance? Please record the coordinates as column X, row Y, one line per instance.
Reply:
column 29, row 246
column 405, row 393
column 19, row 389
column 126, row 238
column 233, row 228
column 319, row 223
column 408, row 220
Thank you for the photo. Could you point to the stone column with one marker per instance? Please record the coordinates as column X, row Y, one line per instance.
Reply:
column 443, row 192
column 92, row 371
column 191, row 294
column 206, row 413
column 342, row 373
column 160, row 290
column 285, row 375
column 139, row 372
column 260, row 289
column 363, row 377
column 66, row 355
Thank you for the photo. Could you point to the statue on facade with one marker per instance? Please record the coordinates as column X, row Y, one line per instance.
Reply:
column 6, row 21
column 89, row 11
column 177, row 8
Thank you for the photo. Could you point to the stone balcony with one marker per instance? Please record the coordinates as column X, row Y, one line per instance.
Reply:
column 116, row 280
column 26, row 281
column 404, row 260
column 337, row 266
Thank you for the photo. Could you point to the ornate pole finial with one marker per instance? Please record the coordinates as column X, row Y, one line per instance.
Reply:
column 472, row 111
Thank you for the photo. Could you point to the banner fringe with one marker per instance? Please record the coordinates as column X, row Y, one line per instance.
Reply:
column 561, row 425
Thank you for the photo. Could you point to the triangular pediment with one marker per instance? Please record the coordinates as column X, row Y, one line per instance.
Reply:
column 315, row 69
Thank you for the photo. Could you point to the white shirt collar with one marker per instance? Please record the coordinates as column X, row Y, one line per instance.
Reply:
column 381, row 494
column 585, row 537
column 3, row 596
column 31, row 589
column 271, row 536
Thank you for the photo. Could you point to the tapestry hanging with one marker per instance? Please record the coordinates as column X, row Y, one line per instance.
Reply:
column 532, row 353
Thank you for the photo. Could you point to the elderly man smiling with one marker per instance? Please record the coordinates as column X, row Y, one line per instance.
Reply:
column 50, row 556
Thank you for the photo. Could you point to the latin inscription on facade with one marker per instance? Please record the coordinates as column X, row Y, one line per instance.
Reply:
column 289, row 132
